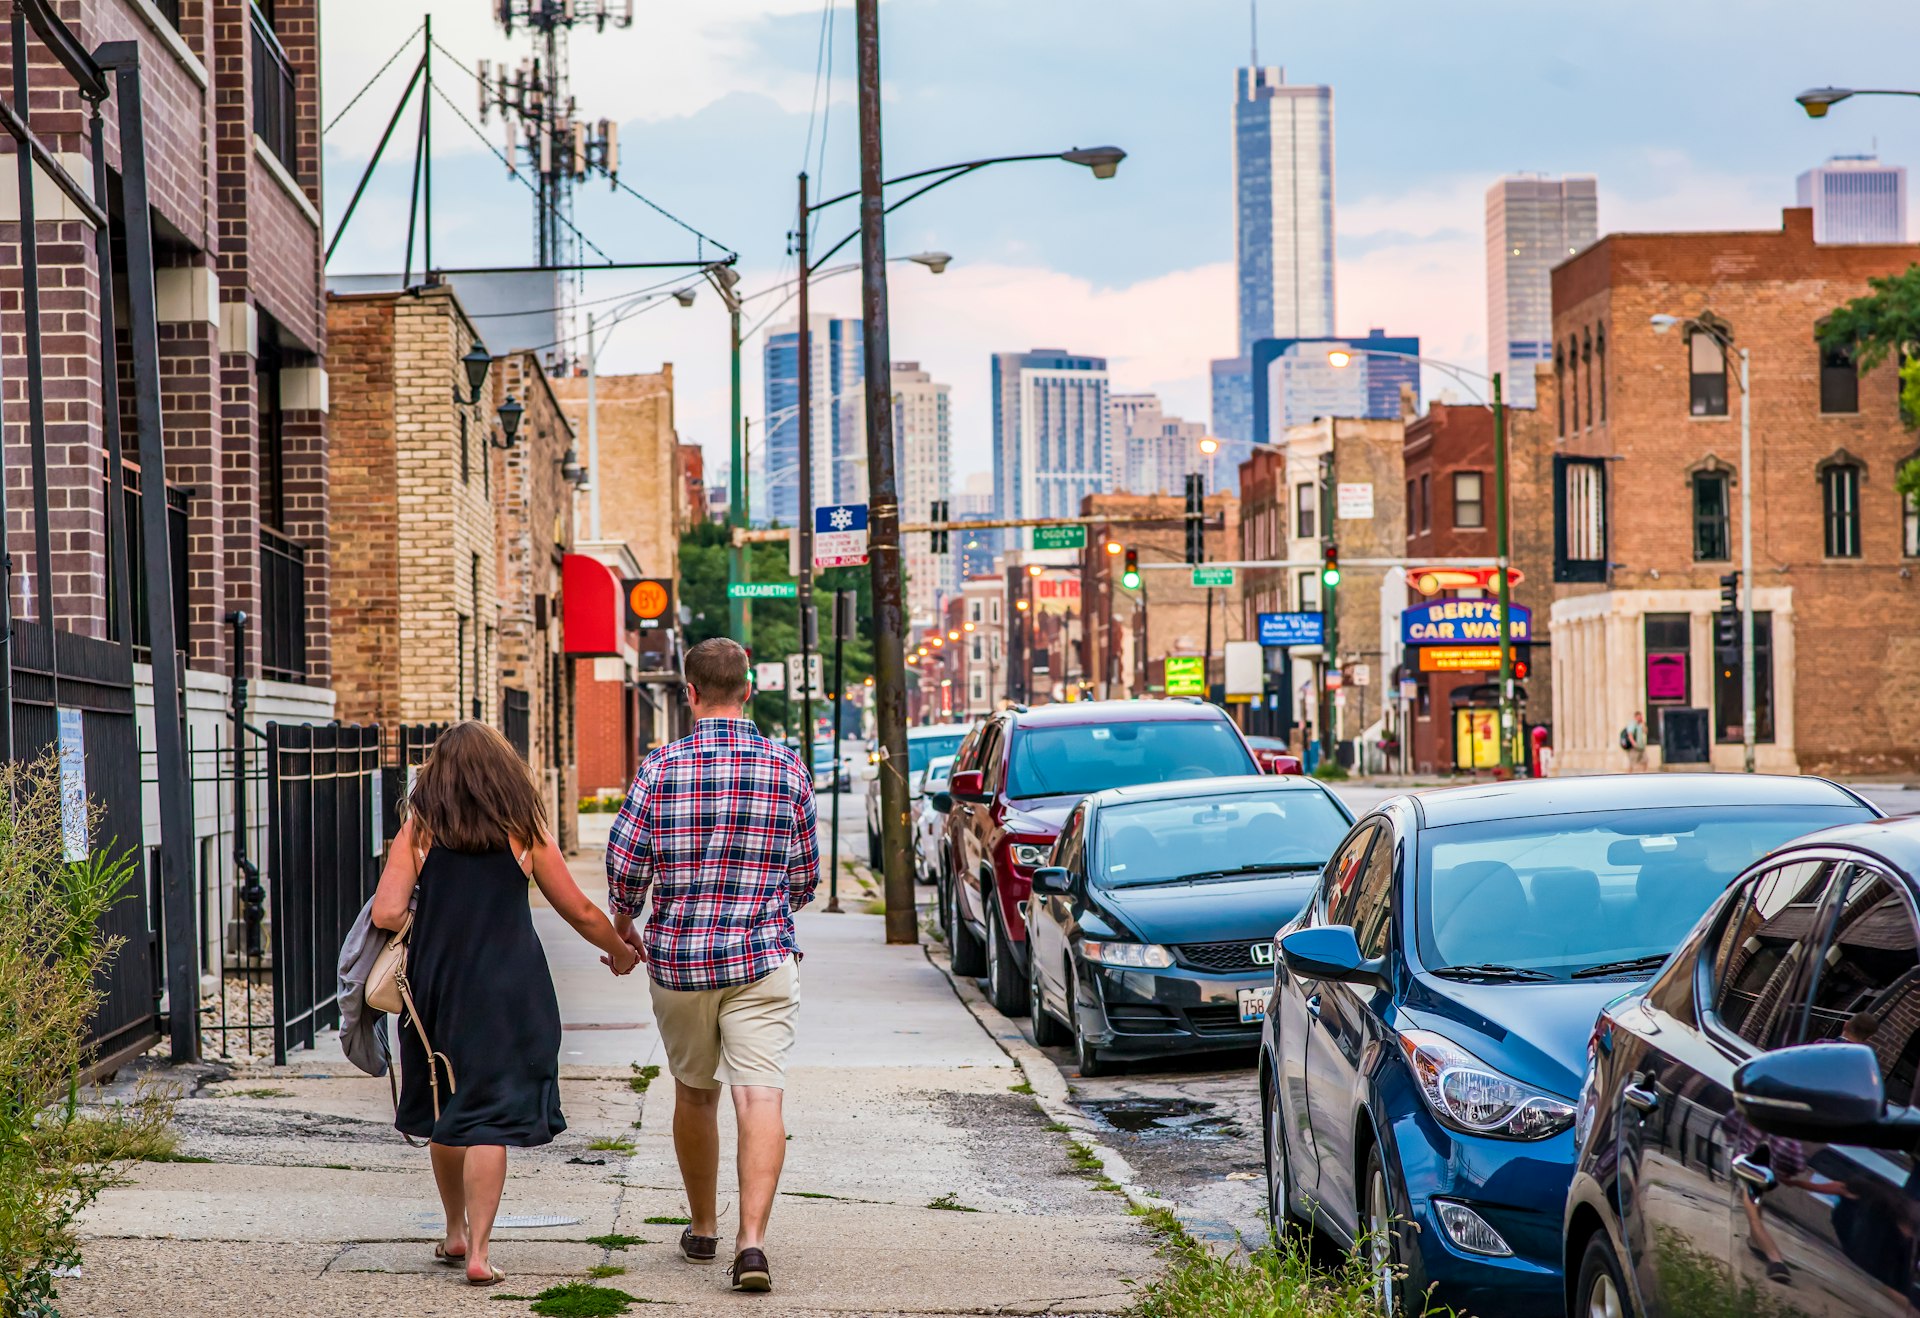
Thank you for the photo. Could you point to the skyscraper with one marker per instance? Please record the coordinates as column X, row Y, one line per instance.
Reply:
column 837, row 436
column 1856, row 199
column 1294, row 383
column 1151, row 452
column 923, row 433
column 1533, row 224
column 1049, row 431
column 1283, row 230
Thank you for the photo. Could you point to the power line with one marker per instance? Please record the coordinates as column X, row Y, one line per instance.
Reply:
column 399, row 50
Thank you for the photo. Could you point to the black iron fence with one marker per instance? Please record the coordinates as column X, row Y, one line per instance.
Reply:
column 273, row 108
column 283, row 607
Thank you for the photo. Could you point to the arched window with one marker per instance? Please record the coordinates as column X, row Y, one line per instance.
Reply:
column 1600, row 364
column 1840, row 479
column 1706, row 375
column 1559, row 392
column 1573, row 382
column 1586, row 360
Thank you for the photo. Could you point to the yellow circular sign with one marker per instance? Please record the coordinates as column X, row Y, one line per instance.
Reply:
column 648, row 599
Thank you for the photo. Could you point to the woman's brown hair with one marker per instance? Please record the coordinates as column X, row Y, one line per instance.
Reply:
column 475, row 792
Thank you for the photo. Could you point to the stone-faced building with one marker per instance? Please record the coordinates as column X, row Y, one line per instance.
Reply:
column 1450, row 496
column 1646, row 494
column 415, row 581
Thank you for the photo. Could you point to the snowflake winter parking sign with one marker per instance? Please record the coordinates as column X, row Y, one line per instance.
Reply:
column 840, row 535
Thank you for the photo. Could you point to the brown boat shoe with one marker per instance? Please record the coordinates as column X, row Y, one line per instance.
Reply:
column 750, row 1271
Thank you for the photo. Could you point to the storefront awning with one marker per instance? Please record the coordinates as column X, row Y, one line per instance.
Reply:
column 593, row 613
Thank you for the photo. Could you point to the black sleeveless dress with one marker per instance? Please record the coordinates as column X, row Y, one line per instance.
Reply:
column 480, row 980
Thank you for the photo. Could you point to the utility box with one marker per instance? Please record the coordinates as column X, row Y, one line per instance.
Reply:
column 1685, row 736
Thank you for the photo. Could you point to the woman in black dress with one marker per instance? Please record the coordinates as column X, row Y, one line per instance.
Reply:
column 474, row 835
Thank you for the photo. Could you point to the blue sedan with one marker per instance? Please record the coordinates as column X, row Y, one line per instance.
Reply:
column 1431, row 1008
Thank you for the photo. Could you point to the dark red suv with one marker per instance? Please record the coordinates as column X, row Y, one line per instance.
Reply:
column 1016, row 778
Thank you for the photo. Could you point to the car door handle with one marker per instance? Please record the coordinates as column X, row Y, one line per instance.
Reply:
column 1313, row 1005
column 1756, row 1174
column 1640, row 1098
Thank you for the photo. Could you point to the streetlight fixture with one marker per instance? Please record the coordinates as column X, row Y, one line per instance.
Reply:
column 1339, row 358
column 476, row 362
column 685, row 296
column 934, row 261
column 1701, row 324
column 883, row 496
column 570, row 468
column 1209, row 445
column 509, row 413
column 1816, row 101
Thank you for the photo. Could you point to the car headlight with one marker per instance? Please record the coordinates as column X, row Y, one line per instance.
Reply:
column 1140, row 956
column 1030, row 855
column 1470, row 1096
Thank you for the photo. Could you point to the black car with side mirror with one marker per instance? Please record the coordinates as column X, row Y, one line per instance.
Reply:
column 1748, row 1125
column 1152, row 930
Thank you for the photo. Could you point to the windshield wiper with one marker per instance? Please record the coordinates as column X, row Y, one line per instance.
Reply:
column 1255, row 867
column 1489, row 970
column 1652, row 961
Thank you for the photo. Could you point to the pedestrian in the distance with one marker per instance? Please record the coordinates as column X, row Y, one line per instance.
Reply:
column 1633, row 740
column 475, row 833
column 718, row 829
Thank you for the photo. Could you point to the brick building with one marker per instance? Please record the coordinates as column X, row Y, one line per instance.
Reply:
column 231, row 95
column 416, row 580
column 692, row 466
column 976, row 664
column 1646, row 495
column 1129, row 634
column 1450, row 501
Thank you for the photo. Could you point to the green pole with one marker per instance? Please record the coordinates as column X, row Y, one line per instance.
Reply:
column 739, row 564
column 1330, row 608
column 1507, row 729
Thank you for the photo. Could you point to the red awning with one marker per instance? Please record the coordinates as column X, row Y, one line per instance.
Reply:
column 591, row 606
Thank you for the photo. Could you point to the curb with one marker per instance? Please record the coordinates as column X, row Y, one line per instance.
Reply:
column 1049, row 1085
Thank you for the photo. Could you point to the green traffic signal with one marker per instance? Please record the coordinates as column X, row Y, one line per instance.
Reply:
column 1131, row 580
column 1330, row 576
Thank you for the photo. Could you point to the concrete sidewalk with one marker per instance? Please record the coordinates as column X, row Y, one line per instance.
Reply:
column 310, row 1204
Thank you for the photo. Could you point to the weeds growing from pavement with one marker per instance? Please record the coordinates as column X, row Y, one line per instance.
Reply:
column 1024, row 1087
column 255, row 1093
column 642, row 1077
column 668, row 1221
column 1083, row 1158
column 601, row 1271
column 615, row 1241
column 55, row 1159
column 951, row 1204
column 610, row 1144
column 581, row 1299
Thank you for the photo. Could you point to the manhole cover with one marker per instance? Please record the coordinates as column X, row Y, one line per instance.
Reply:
column 1135, row 1115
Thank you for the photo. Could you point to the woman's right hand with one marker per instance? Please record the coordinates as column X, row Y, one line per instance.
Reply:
column 622, row 960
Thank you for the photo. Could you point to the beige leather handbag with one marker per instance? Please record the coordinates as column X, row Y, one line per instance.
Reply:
column 387, row 990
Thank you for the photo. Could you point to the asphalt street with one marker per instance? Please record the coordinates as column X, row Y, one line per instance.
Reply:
column 1191, row 1127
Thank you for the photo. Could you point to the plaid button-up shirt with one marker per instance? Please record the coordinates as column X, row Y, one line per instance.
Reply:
column 720, row 825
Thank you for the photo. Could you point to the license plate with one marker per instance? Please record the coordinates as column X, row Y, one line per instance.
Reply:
column 1253, row 1005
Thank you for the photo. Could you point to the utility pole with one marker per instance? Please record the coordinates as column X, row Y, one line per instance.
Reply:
column 883, row 511
column 803, row 522
column 1330, row 608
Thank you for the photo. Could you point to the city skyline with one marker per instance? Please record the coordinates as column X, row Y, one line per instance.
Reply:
column 1855, row 199
column 1533, row 224
column 837, row 374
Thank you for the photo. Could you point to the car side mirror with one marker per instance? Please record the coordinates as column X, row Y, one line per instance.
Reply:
column 970, row 785
column 1829, row 1092
column 1331, row 953
column 941, row 801
column 1053, row 881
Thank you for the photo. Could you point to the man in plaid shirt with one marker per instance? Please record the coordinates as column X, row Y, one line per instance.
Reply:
column 719, row 828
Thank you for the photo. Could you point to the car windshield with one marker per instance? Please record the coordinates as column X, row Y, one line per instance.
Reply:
column 922, row 749
column 1594, row 893
column 935, row 779
column 1154, row 841
column 1077, row 760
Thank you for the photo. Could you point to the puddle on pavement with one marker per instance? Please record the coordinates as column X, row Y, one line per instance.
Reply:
column 1178, row 1116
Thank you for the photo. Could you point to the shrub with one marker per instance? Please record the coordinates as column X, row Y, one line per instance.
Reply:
column 1331, row 770
column 55, row 1157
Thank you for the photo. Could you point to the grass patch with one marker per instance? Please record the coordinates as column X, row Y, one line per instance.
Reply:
column 610, row 1144
column 1024, row 1087
column 1056, row 1128
column 1269, row 1280
column 1331, row 771
column 642, row 1077
column 580, row 1299
column 950, row 1204
column 878, row 906
column 669, row 1221
column 257, row 1093
column 616, row 1241
column 1083, row 1158
column 600, row 1271
column 1106, row 1185
column 809, row 1194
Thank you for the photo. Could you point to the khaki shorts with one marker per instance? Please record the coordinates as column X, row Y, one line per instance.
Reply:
column 730, row 1036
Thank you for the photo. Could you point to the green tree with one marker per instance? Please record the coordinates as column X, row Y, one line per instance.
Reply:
column 1883, row 324
column 776, row 623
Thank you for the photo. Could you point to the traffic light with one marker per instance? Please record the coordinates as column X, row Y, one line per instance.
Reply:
column 940, row 539
column 1130, row 578
column 1522, row 662
column 1730, row 591
column 1196, row 518
column 1726, row 623
column 1330, row 566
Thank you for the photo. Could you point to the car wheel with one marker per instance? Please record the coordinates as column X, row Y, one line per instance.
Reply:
column 942, row 892
column 969, row 958
column 1602, row 1292
column 1047, row 1032
column 1085, row 1055
column 873, row 849
column 1381, row 1240
column 1006, row 982
column 1280, row 1213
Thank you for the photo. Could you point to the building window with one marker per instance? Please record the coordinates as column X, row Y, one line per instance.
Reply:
column 274, row 121
column 979, row 689
column 1711, row 516
column 1573, row 382
column 1469, row 508
column 1840, row 492
column 460, row 666
column 978, row 653
column 1426, row 502
column 1729, row 713
column 1839, row 381
column 1706, row 375
column 1412, row 528
column 1586, row 360
column 466, row 450
column 995, row 603
column 1669, row 676
column 1600, row 367
column 1910, row 525
column 1305, row 512
column 273, row 446
column 1559, row 393
column 1306, row 592
column 976, row 610
column 1579, row 519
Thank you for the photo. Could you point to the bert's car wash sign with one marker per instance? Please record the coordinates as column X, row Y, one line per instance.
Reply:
column 1457, row 622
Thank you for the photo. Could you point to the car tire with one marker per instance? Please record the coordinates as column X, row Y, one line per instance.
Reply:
column 1006, row 980
column 1086, row 1057
column 1280, row 1212
column 873, row 849
column 943, row 899
column 969, row 957
column 1380, row 1237
column 1047, row 1032
column 1602, row 1291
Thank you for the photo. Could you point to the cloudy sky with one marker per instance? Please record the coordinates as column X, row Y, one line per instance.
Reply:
column 1683, row 110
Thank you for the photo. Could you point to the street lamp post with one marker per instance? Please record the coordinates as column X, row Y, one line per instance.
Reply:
column 1816, row 101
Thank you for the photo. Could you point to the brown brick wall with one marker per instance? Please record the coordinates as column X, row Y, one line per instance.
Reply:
column 640, row 499
column 606, row 747
column 363, row 597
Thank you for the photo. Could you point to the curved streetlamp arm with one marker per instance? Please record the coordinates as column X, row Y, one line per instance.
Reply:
column 1459, row 373
column 957, row 171
column 964, row 166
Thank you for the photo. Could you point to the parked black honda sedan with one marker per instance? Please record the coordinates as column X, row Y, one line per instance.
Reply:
column 1748, row 1127
column 1152, row 930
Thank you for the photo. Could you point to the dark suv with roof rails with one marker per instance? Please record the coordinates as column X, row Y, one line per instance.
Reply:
column 1015, row 779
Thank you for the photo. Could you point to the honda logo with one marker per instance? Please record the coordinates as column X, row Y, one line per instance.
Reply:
column 1262, row 954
